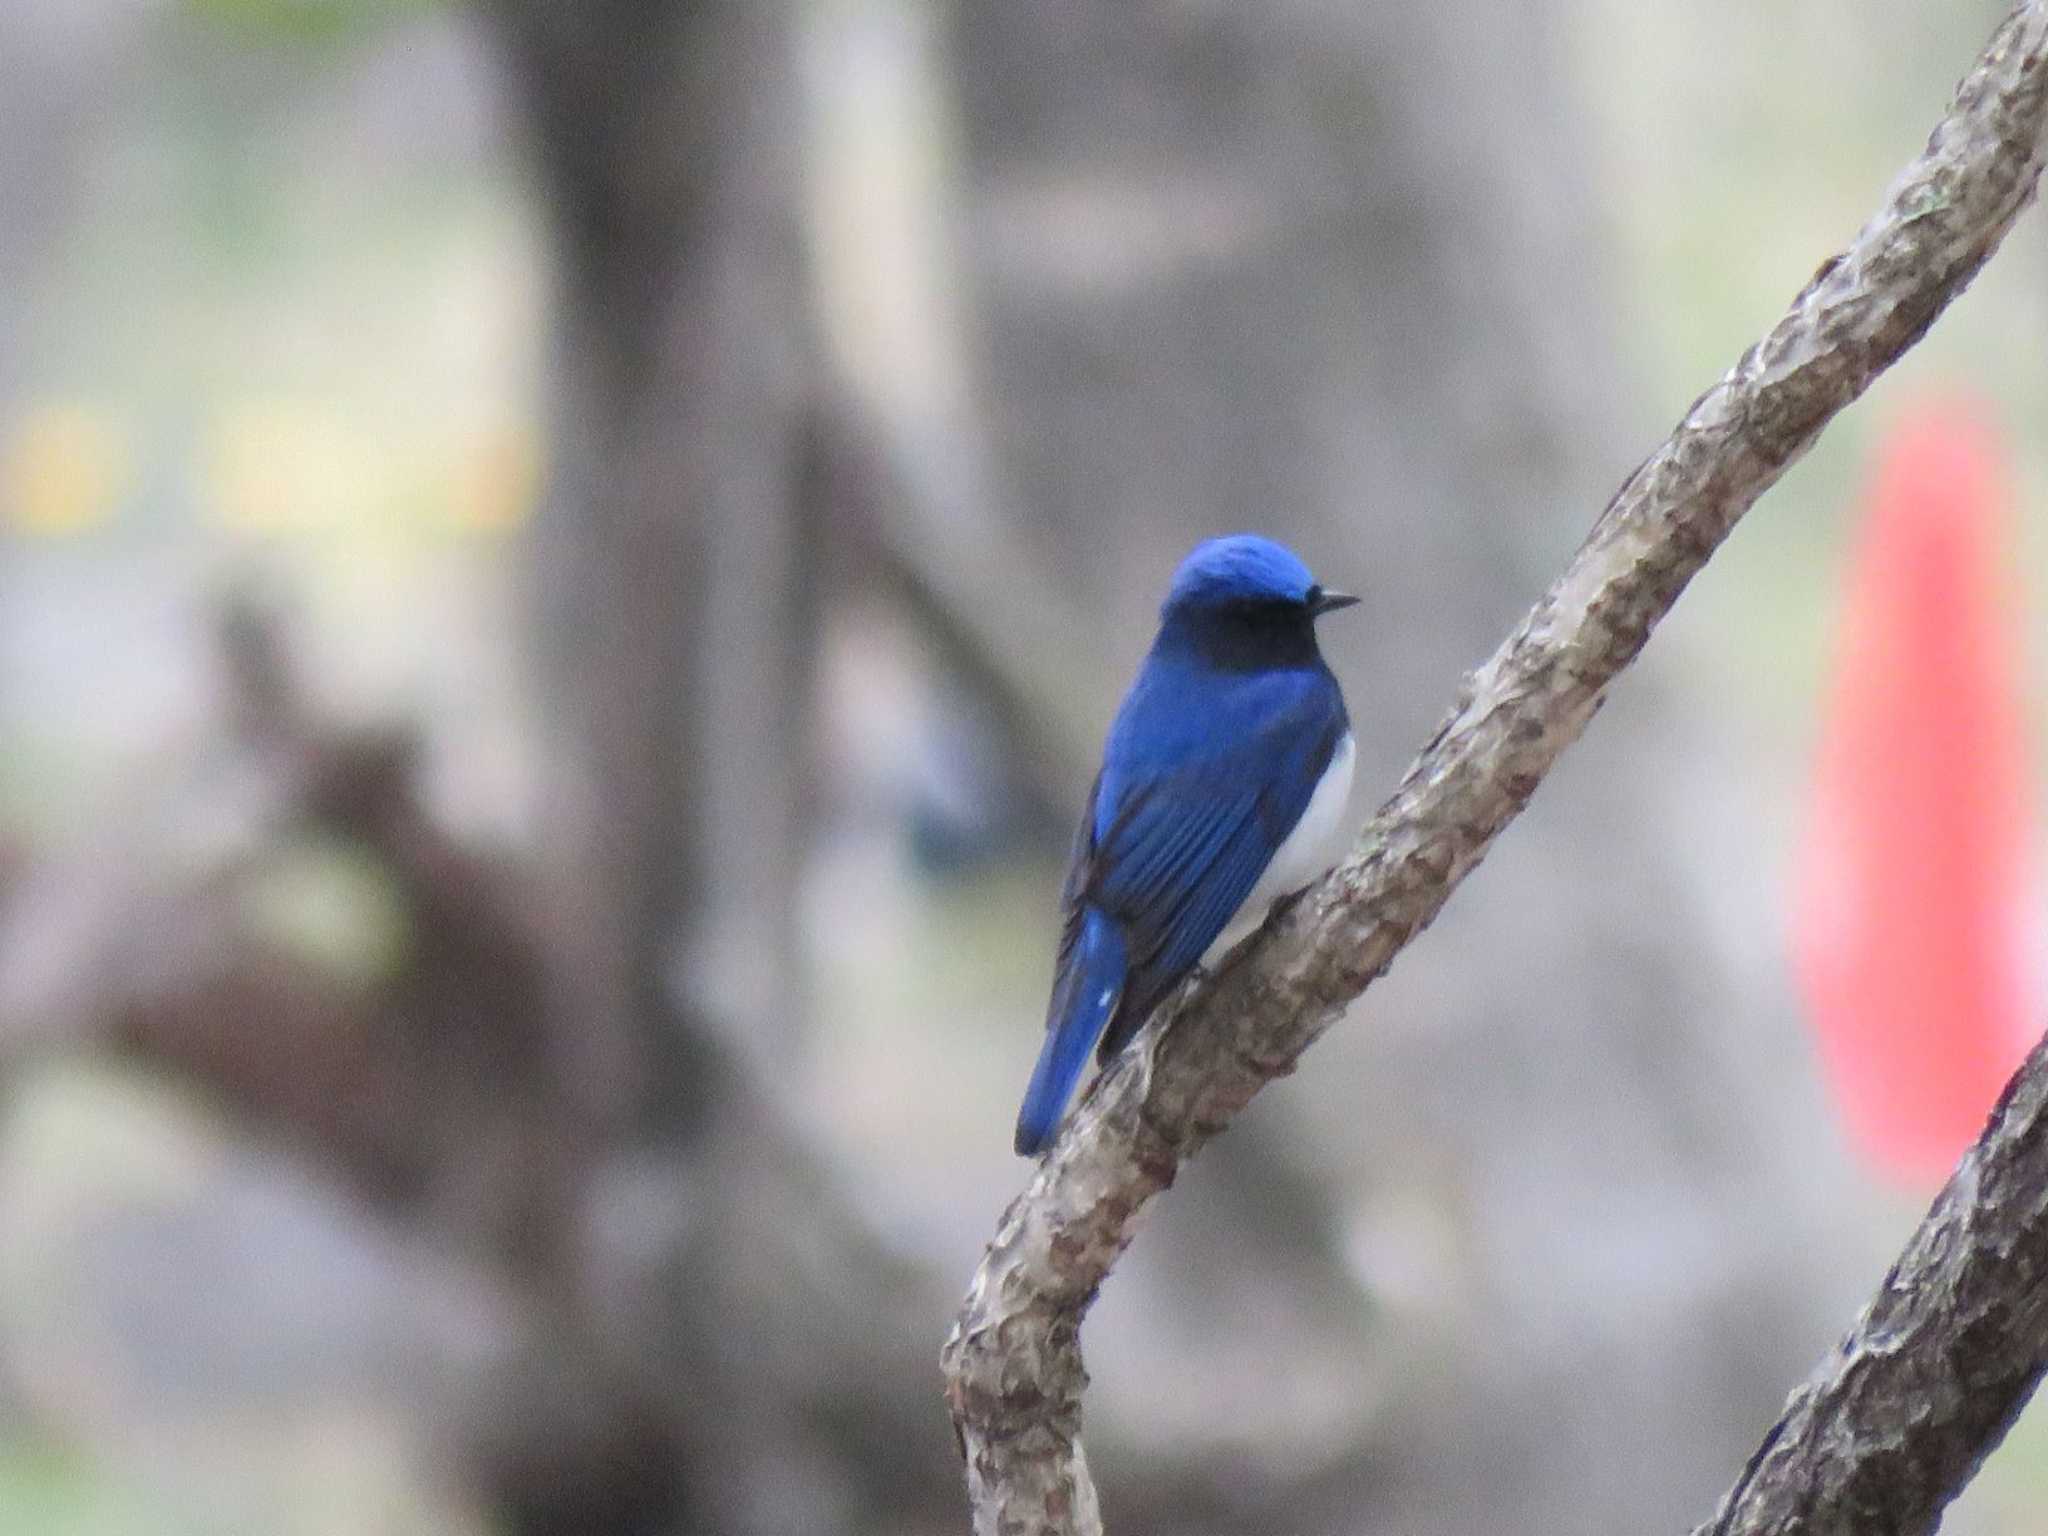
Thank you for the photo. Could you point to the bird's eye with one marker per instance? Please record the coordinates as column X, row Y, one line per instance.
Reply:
column 1315, row 594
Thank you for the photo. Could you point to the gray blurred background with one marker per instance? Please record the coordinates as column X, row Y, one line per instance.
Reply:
column 561, row 569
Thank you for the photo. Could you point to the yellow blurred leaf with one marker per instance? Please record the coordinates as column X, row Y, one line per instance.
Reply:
column 275, row 466
column 65, row 465
column 496, row 472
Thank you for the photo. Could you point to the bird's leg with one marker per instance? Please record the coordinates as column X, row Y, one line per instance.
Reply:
column 1285, row 901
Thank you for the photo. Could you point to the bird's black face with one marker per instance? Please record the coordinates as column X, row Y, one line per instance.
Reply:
column 1249, row 632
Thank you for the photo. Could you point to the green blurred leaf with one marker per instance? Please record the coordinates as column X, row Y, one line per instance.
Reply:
column 333, row 905
column 46, row 1493
column 312, row 21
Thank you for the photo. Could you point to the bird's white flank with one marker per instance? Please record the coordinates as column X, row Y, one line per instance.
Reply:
column 1305, row 853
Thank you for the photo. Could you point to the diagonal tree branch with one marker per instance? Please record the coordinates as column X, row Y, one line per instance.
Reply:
column 1013, row 1361
column 1898, row 1418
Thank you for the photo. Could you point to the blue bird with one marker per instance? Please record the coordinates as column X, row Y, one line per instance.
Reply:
column 1225, row 772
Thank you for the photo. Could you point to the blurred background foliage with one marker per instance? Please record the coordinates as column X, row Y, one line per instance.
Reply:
column 303, row 22
column 349, row 1180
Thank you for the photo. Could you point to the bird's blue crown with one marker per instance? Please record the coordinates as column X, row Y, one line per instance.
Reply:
column 1242, row 567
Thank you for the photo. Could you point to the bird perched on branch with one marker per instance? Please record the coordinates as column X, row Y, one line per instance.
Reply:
column 1224, row 774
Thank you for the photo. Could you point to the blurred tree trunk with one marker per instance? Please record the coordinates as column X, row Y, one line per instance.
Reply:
column 56, row 64
column 729, row 1295
column 667, row 609
column 1334, row 272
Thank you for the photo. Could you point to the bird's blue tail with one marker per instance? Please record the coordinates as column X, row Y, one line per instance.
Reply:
column 1085, row 996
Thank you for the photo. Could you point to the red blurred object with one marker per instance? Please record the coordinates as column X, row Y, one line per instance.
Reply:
column 1915, row 912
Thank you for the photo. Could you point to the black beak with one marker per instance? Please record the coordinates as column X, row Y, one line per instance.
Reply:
column 1330, row 602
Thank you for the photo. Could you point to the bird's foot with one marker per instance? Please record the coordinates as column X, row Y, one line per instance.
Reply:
column 1285, row 903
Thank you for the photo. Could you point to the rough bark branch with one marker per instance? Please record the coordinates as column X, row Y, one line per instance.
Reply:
column 1898, row 1418
column 1013, row 1361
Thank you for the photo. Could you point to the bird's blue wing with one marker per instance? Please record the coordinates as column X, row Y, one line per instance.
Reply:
column 1141, row 904
column 1088, row 981
column 1186, row 844
column 1195, row 796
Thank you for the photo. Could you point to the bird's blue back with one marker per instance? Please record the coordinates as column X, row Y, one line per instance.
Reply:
column 1209, row 764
